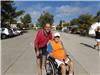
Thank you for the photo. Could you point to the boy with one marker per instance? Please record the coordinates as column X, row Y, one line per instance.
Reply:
column 41, row 40
column 56, row 50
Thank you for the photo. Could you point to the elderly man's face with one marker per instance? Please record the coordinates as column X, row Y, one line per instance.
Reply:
column 47, row 27
column 57, row 39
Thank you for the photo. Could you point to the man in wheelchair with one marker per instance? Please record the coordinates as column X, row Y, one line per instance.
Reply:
column 56, row 50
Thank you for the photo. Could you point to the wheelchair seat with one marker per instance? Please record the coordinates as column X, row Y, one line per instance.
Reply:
column 51, row 65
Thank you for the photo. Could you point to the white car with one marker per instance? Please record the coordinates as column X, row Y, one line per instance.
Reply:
column 5, row 32
column 16, row 32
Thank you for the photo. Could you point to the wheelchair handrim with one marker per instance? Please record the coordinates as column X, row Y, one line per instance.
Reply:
column 52, row 68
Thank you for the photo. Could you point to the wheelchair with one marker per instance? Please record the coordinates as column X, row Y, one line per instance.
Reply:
column 52, row 67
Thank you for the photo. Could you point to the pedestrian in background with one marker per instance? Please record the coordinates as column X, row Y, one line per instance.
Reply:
column 97, row 38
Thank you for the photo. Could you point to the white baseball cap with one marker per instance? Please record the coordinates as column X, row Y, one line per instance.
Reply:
column 56, row 34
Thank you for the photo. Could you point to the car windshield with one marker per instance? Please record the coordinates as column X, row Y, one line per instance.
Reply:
column 10, row 31
column 14, row 29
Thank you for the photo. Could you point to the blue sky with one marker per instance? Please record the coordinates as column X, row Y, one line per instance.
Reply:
column 62, row 10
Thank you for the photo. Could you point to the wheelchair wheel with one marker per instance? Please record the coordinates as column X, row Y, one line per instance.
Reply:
column 53, row 69
column 50, row 68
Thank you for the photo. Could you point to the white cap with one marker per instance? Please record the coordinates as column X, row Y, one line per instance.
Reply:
column 56, row 34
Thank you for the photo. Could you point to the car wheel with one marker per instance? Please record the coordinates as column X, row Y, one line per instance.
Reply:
column 3, row 36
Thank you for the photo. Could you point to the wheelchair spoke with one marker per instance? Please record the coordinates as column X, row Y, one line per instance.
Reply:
column 52, row 68
column 49, row 68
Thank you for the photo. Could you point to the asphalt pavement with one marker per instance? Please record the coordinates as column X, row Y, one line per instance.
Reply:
column 18, row 55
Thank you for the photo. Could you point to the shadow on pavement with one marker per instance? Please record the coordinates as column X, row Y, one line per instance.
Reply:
column 87, row 45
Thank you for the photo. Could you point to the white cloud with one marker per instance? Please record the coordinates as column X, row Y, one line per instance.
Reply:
column 99, row 5
column 36, row 10
column 35, row 13
column 66, row 10
column 47, row 8
column 17, row 3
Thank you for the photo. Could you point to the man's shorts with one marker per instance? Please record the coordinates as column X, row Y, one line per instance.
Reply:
column 43, row 51
column 59, row 62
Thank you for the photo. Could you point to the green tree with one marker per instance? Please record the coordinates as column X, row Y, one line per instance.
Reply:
column 8, row 13
column 66, row 24
column 59, row 27
column 26, row 20
column 86, row 20
column 74, row 21
column 38, row 25
column 97, row 17
column 46, row 17
column 60, row 24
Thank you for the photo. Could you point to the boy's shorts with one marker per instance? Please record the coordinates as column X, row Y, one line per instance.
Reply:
column 59, row 62
column 43, row 52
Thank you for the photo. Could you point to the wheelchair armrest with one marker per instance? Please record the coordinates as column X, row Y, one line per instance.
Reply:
column 50, row 58
column 67, row 55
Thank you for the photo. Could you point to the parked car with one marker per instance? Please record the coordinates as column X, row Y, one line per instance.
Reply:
column 75, row 31
column 5, row 33
column 23, row 30
column 16, row 31
column 20, row 32
column 65, row 29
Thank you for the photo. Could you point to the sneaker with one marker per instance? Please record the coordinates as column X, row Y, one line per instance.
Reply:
column 94, row 46
column 43, row 71
column 98, row 48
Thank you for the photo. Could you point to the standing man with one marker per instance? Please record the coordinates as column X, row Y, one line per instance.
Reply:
column 41, row 40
